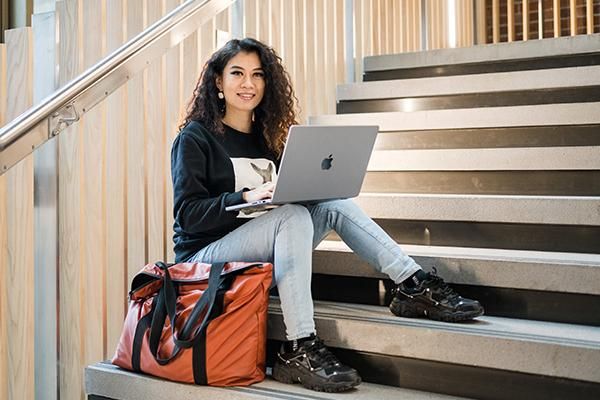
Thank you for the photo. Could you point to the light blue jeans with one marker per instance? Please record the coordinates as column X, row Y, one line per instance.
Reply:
column 287, row 235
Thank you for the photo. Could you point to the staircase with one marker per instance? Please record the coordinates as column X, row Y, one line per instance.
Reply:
column 487, row 167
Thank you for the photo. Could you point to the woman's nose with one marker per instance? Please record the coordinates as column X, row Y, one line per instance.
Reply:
column 247, row 81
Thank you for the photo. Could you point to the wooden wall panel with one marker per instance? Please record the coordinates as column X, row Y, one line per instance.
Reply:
column 556, row 17
column 339, row 62
column 286, row 50
column 377, row 27
column 92, row 131
column 311, row 56
column 115, row 211
column 329, row 57
column 190, row 67
column 250, row 18
column 206, row 45
column 275, row 27
column 481, row 28
column 589, row 12
column 223, row 20
column 70, row 215
column 19, row 222
column 3, row 242
column 495, row 21
column 2, row 84
column 389, row 27
column 358, row 40
column 396, row 26
column 464, row 23
column 437, row 29
column 320, row 95
column 263, row 13
column 415, row 33
column 155, row 143
column 136, row 154
column 299, row 78
column 173, row 108
column 525, row 15
column 510, row 13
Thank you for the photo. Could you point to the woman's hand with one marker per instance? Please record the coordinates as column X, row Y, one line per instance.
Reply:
column 264, row 191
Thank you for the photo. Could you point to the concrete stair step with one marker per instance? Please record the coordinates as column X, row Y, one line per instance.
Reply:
column 499, row 82
column 490, row 138
column 500, row 159
column 567, row 210
column 531, row 347
column 107, row 381
column 549, row 115
column 562, row 52
column 518, row 269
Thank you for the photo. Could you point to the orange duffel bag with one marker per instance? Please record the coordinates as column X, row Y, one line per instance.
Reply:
column 198, row 323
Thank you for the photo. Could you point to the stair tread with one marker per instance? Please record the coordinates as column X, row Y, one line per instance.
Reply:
column 515, row 269
column 569, row 210
column 554, row 332
column 541, row 348
column 592, row 260
column 520, row 50
column 491, row 117
column 487, row 159
column 105, row 379
column 471, row 83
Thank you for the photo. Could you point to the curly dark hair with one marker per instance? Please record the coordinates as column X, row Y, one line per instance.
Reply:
column 273, row 115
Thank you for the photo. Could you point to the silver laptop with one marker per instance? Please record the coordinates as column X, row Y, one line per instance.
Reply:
column 321, row 163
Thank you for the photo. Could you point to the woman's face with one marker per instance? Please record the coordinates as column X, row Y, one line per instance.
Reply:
column 242, row 83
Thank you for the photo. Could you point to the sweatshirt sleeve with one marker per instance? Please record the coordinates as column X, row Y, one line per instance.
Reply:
column 195, row 211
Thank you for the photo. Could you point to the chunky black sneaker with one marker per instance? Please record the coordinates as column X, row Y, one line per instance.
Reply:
column 314, row 367
column 433, row 298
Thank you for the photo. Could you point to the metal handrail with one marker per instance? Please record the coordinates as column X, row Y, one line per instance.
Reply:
column 40, row 123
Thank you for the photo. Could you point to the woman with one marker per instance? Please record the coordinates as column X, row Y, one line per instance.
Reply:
column 227, row 153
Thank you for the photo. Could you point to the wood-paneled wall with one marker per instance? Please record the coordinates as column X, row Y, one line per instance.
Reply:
column 114, row 184
column 16, row 231
column 513, row 20
column 3, row 242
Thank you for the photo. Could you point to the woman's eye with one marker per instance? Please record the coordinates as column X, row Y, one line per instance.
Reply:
column 259, row 74
column 236, row 72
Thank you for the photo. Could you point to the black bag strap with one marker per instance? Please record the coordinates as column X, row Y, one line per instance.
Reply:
column 166, row 306
column 140, row 330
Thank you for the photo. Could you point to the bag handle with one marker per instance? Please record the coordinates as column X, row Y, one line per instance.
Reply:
column 166, row 305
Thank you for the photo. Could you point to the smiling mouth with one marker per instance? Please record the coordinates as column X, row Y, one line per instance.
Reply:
column 246, row 96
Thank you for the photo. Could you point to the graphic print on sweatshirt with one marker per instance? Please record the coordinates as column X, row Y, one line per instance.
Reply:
column 251, row 173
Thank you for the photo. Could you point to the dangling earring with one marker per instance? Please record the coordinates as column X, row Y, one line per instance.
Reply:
column 220, row 95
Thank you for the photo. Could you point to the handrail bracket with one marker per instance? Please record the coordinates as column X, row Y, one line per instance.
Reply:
column 62, row 119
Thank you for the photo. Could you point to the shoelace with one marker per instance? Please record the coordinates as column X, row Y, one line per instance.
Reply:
column 443, row 286
column 321, row 354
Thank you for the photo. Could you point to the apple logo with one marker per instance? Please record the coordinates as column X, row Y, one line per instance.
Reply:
column 326, row 163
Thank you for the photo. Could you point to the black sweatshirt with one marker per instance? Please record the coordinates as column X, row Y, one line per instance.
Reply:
column 210, row 172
